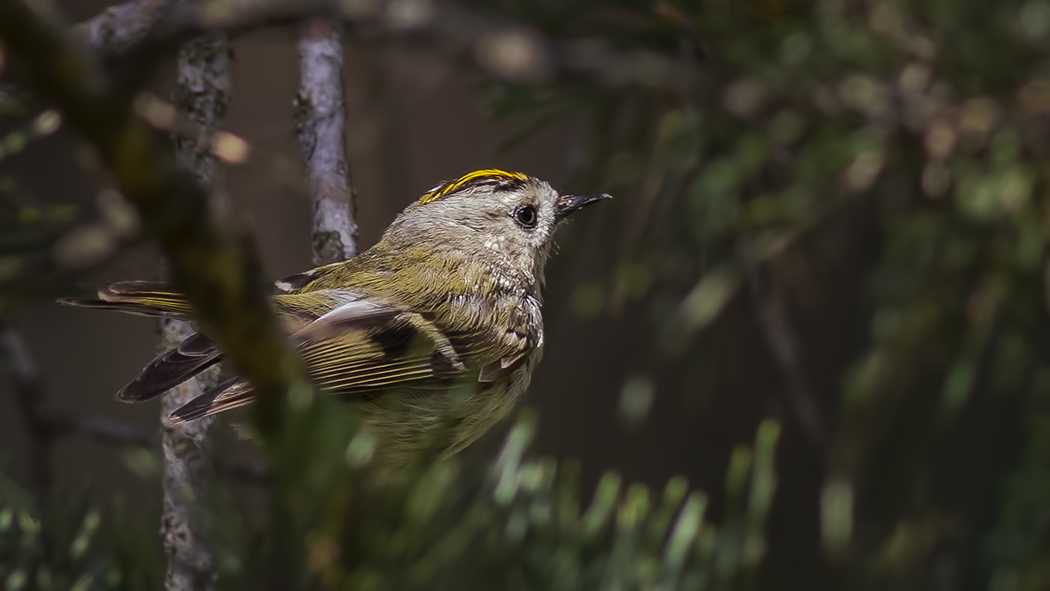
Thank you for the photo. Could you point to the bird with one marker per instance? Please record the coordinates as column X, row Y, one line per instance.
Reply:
column 438, row 325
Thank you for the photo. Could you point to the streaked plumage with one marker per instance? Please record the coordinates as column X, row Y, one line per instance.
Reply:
column 451, row 294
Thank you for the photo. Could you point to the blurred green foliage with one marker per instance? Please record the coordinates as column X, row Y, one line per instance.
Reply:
column 516, row 523
column 875, row 174
column 70, row 545
column 869, row 180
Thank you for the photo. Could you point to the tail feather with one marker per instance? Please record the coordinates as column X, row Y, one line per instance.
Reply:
column 233, row 393
column 193, row 355
column 148, row 298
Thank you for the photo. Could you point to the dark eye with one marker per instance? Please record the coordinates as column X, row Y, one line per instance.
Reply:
column 526, row 216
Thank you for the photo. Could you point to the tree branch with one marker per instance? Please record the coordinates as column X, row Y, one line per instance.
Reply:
column 112, row 31
column 220, row 276
column 187, row 479
column 98, row 428
column 201, row 93
column 136, row 35
column 504, row 49
column 320, row 123
column 111, row 432
column 118, row 28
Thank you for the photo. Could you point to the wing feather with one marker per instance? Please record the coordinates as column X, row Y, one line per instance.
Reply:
column 193, row 355
column 365, row 347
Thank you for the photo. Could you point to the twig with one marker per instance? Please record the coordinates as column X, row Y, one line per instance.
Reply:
column 28, row 395
column 118, row 28
column 139, row 34
column 504, row 49
column 101, row 429
column 320, row 123
column 783, row 345
column 45, row 425
column 202, row 91
column 210, row 262
column 187, row 477
column 108, row 431
column 114, row 30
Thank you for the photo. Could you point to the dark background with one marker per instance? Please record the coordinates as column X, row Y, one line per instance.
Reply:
column 916, row 308
column 413, row 120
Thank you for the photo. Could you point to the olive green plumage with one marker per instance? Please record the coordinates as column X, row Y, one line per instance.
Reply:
column 450, row 296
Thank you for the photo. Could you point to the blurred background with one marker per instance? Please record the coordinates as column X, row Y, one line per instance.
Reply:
column 841, row 225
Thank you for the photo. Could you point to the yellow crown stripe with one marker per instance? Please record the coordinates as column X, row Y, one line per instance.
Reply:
column 471, row 176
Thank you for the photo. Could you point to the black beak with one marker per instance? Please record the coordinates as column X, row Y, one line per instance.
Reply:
column 570, row 203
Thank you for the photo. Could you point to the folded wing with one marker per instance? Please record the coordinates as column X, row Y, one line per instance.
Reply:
column 365, row 348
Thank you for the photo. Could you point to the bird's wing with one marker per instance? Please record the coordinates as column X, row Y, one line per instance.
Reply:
column 192, row 356
column 365, row 346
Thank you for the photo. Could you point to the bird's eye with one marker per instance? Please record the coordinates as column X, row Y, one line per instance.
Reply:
column 526, row 216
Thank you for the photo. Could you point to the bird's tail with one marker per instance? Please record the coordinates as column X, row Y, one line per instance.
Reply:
column 231, row 394
column 193, row 355
column 152, row 298
column 147, row 298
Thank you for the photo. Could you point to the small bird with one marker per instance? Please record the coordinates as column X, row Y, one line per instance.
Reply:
column 451, row 295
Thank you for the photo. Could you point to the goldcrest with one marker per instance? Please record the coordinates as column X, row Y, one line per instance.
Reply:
column 439, row 325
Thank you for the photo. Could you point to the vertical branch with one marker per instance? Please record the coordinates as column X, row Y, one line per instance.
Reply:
column 320, row 122
column 28, row 394
column 201, row 93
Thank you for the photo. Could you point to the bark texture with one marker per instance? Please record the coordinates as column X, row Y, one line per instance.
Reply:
column 321, row 125
column 119, row 27
column 202, row 94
